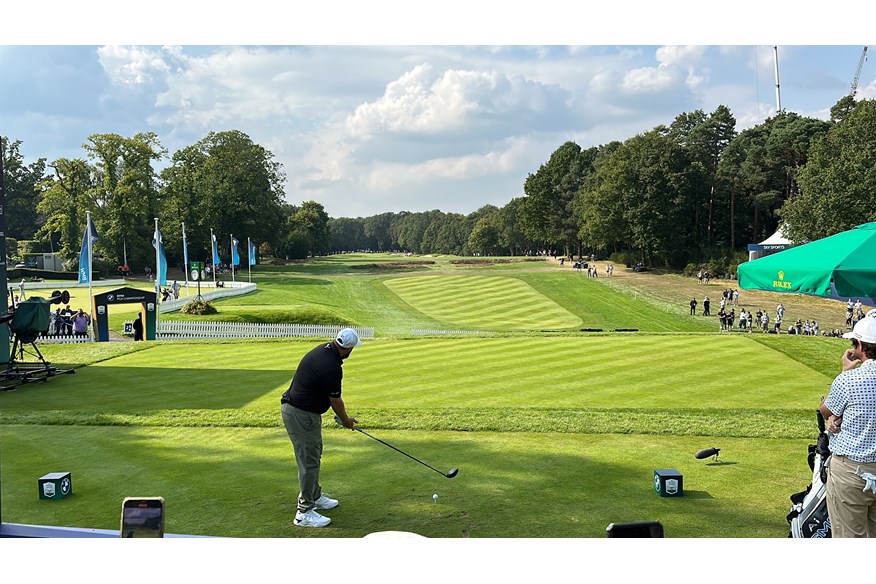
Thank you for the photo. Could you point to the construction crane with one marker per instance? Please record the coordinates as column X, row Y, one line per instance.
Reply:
column 863, row 58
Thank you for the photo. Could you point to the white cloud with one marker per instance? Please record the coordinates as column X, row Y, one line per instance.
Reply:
column 653, row 79
column 504, row 158
column 131, row 65
column 421, row 102
column 682, row 55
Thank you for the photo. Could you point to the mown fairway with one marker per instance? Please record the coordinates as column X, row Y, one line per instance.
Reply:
column 489, row 302
column 577, row 419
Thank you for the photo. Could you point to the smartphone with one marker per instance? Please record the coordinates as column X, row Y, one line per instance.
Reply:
column 635, row 529
column 143, row 517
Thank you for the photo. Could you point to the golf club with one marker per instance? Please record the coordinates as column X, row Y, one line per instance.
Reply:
column 450, row 474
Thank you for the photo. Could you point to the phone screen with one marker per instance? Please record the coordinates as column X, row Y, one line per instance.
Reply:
column 143, row 517
column 635, row 529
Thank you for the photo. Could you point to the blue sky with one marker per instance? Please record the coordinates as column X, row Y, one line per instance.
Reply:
column 365, row 123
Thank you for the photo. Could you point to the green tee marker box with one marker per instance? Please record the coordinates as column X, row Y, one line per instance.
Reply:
column 56, row 485
column 668, row 482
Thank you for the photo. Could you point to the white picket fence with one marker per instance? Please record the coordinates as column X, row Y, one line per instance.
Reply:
column 235, row 330
column 445, row 332
column 58, row 339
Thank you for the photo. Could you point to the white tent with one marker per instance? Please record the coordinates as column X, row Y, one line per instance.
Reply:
column 775, row 242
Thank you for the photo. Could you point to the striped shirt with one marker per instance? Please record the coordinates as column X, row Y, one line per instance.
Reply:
column 853, row 396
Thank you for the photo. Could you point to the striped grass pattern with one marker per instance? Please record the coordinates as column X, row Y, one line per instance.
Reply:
column 488, row 302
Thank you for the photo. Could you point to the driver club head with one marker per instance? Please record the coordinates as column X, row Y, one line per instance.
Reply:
column 453, row 472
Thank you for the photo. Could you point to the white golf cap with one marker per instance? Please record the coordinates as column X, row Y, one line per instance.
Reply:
column 864, row 331
column 347, row 338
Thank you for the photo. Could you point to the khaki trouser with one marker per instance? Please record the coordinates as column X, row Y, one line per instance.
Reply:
column 305, row 431
column 852, row 511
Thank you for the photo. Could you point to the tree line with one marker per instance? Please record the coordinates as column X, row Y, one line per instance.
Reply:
column 677, row 195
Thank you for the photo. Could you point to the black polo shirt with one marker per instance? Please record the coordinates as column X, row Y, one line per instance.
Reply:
column 317, row 378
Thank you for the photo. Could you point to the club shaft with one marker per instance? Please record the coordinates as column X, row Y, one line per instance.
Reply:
column 400, row 451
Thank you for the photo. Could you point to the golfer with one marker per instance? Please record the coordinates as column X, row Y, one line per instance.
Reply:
column 850, row 409
column 316, row 386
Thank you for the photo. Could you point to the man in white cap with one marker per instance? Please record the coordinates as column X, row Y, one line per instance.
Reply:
column 316, row 386
column 850, row 409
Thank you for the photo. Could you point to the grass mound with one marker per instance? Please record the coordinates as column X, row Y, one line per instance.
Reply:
column 259, row 314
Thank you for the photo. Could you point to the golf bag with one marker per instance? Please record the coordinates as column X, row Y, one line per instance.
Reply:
column 808, row 516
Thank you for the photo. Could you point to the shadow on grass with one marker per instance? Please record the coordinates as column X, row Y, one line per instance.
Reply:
column 697, row 494
column 139, row 389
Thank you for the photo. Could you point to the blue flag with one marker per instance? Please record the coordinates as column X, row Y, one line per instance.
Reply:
column 161, row 269
column 185, row 253
column 235, row 255
column 216, row 261
column 252, row 254
column 84, row 264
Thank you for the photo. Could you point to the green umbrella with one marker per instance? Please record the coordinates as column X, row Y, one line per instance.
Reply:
column 843, row 264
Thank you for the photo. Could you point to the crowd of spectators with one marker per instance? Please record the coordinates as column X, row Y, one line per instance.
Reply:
column 762, row 320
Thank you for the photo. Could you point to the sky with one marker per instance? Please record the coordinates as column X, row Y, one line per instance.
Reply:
column 368, row 114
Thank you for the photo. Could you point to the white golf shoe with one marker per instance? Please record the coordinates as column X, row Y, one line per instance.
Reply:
column 324, row 502
column 310, row 519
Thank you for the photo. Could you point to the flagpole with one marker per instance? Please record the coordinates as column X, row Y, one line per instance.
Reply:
column 232, row 257
column 214, row 251
column 185, row 258
column 90, row 276
column 157, row 278
column 249, row 258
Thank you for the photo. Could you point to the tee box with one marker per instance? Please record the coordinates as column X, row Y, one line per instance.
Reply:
column 56, row 485
column 668, row 482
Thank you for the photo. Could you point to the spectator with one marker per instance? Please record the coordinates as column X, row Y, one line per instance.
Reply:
column 67, row 319
column 693, row 306
column 138, row 327
column 706, row 303
column 80, row 323
column 850, row 411
column 58, row 322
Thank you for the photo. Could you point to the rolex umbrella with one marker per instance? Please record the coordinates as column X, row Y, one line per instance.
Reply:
column 843, row 264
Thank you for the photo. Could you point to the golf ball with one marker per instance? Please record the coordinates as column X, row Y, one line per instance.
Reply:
column 435, row 497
